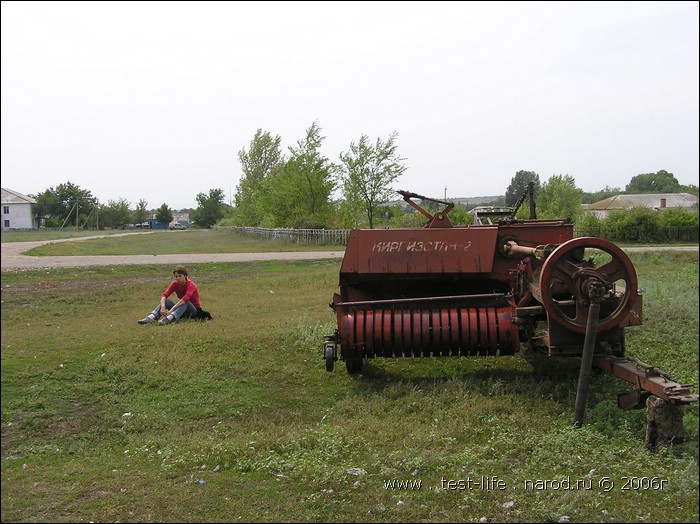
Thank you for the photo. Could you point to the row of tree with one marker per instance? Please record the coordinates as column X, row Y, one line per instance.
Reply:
column 68, row 205
column 296, row 190
column 558, row 197
column 659, row 182
column 642, row 224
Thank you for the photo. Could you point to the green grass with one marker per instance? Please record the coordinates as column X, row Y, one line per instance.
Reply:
column 35, row 235
column 237, row 419
column 173, row 242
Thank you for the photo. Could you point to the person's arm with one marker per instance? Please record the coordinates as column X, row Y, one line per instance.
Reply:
column 176, row 305
column 185, row 298
column 163, row 311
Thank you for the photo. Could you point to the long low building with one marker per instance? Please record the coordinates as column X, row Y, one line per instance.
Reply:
column 657, row 201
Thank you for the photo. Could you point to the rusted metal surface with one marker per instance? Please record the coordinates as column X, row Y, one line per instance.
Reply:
column 595, row 292
column 445, row 291
column 439, row 219
column 469, row 259
column 402, row 252
column 568, row 278
column 646, row 378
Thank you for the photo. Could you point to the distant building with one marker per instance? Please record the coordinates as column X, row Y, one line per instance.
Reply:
column 183, row 217
column 17, row 211
column 656, row 201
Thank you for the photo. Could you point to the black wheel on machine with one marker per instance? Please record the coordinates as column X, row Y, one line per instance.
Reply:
column 566, row 275
column 329, row 356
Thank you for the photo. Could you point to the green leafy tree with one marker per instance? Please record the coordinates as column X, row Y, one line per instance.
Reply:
column 460, row 216
column 638, row 224
column 391, row 215
column 67, row 204
column 518, row 186
column 115, row 214
column 368, row 171
column 262, row 160
column 674, row 217
column 659, row 182
column 164, row 214
column 349, row 214
column 49, row 208
column 559, row 198
column 278, row 192
column 229, row 217
column 141, row 213
column 589, row 225
column 408, row 218
column 298, row 194
column 210, row 210
column 606, row 192
column 692, row 189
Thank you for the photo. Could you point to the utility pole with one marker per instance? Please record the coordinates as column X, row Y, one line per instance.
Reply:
column 445, row 192
column 77, row 214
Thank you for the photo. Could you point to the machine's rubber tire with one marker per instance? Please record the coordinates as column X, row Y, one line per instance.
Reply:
column 330, row 358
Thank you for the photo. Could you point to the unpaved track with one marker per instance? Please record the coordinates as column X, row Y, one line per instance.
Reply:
column 12, row 257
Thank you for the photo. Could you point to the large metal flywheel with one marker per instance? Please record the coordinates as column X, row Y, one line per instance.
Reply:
column 567, row 276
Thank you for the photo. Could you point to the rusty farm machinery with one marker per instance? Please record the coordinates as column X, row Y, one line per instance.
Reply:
column 487, row 289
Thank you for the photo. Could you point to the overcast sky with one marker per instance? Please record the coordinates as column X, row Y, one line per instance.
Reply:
column 154, row 100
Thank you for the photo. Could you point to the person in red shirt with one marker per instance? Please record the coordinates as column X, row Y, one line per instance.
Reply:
column 188, row 305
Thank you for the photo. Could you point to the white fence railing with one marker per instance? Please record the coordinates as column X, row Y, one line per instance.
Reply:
column 339, row 237
column 331, row 237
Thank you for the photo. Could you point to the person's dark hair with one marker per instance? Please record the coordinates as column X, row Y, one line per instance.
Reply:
column 180, row 270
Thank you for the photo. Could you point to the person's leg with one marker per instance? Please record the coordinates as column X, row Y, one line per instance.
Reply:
column 191, row 311
column 155, row 314
column 182, row 311
column 185, row 311
column 168, row 304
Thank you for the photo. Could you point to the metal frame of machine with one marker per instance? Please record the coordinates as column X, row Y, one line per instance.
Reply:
column 487, row 288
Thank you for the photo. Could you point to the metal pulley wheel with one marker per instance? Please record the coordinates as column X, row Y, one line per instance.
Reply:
column 567, row 277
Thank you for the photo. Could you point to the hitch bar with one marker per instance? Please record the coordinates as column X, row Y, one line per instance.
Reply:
column 646, row 380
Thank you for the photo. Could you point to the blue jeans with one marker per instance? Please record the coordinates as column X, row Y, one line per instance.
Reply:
column 186, row 311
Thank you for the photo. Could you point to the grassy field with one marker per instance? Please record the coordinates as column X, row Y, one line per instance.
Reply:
column 165, row 242
column 34, row 235
column 237, row 420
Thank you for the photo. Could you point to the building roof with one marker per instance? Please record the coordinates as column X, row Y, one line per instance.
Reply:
column 652, row 200
column 13, row 197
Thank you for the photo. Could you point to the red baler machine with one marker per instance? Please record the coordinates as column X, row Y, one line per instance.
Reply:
column 487, row 288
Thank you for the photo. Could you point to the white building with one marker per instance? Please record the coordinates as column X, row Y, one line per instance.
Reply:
column 183, row 217
column 17, row 211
